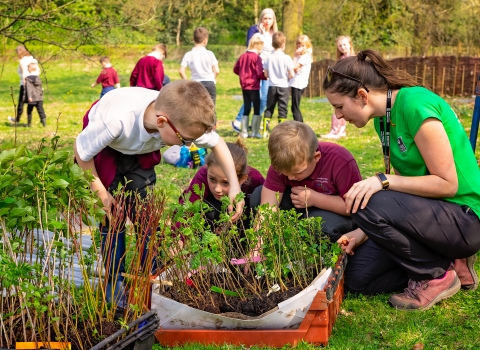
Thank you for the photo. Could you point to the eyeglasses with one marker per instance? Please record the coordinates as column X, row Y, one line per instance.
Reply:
column 331, row 72
column 180, row 137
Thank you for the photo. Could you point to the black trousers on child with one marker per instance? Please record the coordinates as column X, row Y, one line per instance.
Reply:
column 249, row 97
column 410, row 237
column 296, row 97
column 41, row 112
column 280, row 95
column 212, row 90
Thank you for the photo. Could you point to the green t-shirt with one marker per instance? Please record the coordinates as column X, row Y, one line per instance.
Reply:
column 412, row 106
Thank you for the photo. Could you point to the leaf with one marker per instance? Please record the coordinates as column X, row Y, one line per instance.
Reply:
column 18, row 212
column 21, row 161
column 60, row 183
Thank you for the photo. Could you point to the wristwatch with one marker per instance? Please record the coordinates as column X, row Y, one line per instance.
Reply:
column 383, row 179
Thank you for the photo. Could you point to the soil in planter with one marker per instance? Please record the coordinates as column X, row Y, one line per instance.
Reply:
column 84, row 336
column 251, row 306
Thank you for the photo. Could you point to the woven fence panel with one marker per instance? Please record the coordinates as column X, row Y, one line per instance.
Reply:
column 445, row 75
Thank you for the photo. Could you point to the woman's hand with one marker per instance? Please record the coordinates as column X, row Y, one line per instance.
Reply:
column 351, row 240
column 360, row 193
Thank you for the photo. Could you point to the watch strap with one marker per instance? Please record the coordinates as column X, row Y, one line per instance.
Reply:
column 383, row 179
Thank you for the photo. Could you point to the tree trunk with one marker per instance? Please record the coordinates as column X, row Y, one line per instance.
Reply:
column 179, row 26
column 292, row 22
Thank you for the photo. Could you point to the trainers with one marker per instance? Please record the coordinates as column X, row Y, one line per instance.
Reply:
column 12, row 120
column 422, row 295
column 465, row 269
column 330, row 136
column 236, row 125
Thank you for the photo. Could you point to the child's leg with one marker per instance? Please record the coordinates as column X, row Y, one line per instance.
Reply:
column 41, row 113
column 296, row 97
column 212, row 90
column 263, row 95
column 29, row 114
column 257, row 118
column 247, row 103
column 20, row 103
column 282, row 96
column 271, row 102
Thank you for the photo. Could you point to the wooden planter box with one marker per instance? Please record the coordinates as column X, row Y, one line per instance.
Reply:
column 315, row 328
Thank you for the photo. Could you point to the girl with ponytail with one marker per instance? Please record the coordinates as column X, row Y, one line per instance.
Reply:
column 419, row 225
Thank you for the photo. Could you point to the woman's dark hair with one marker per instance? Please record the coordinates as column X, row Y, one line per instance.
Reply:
column 239, row 155
column 371, row 69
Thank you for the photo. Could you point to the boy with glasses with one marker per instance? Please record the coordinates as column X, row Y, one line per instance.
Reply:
column 120, row 144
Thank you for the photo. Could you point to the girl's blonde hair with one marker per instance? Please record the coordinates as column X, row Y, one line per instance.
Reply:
column 255, row 43
column 239, row 156
column 304, row 39
column 266, row 11
column 341, row 37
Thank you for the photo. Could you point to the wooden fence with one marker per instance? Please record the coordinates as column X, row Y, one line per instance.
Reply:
column 445, row 75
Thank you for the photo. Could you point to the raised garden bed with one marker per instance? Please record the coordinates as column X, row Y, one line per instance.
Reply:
column 289, row 323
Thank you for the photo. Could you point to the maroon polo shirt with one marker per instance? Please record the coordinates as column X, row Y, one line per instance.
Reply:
column 334, row 174
column 250, row 70
column 148, row 73
column 255, row 179
column 108, row 77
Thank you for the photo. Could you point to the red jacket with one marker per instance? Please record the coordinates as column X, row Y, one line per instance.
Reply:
column 108, row 77
column 250, row 70
column 148, row 73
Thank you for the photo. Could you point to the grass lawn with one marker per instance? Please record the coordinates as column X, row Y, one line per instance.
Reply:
column 365, row 322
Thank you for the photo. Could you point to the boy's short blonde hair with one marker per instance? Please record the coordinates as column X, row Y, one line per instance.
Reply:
column 32, row 66
column 187, row 103
column 104, row 59
column 200, row 34
column 291, row 143
column 278, row 39
column 162, row 48
column 255, row 43
column 304, row 39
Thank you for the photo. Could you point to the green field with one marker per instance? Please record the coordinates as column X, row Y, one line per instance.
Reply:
column 365, row 322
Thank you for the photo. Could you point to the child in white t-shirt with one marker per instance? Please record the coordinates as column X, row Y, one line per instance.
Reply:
column 202, row 62
column 302, row 63
column 278, row 68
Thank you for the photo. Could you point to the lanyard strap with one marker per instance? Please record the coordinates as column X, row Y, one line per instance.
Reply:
column 385, row 132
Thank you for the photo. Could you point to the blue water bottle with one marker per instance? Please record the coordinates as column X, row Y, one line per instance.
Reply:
column 202, row 152
column 184, row 158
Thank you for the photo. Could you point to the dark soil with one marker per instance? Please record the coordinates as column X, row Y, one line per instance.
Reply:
column 252, row 305
column 86, row 338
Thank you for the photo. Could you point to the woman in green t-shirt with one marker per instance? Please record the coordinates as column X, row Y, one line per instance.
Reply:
column 422, row 231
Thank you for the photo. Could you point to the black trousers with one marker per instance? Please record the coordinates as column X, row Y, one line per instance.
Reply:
column 249, row 97
column 280, row 95
column 212, row 90
column 333, row 225
column 296, row 97
column 41, row 112
column 134, row 179
column 20, row 103
column 409, row 237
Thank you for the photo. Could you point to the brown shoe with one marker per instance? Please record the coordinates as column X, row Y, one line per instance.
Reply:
column 465, row 269
column 422, row 295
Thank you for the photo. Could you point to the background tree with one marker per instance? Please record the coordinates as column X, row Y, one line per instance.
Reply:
column 292, row 22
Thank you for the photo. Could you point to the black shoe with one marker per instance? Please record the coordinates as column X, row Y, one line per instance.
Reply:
column 44, row 122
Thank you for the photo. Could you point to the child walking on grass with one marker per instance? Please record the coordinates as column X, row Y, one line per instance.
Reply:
column 108, row 77
column 250, row 71
column 120, row 144
column 302, row 63
column 34, row 94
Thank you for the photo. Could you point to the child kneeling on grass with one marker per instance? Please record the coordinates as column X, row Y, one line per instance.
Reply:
column 310, row 176
column 120, row 145
column 216, row 185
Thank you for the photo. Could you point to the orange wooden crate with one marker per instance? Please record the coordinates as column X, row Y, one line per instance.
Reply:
column 315, row 328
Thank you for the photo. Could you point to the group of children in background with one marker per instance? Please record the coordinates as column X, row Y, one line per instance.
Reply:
column 285, row 76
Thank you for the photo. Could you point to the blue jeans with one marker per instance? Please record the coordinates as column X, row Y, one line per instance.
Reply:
column 263, row 100
column 105, row 90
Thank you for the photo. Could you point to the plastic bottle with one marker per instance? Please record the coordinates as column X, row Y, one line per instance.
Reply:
column 202, row 152
column 194, row 153
column 184, row 158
